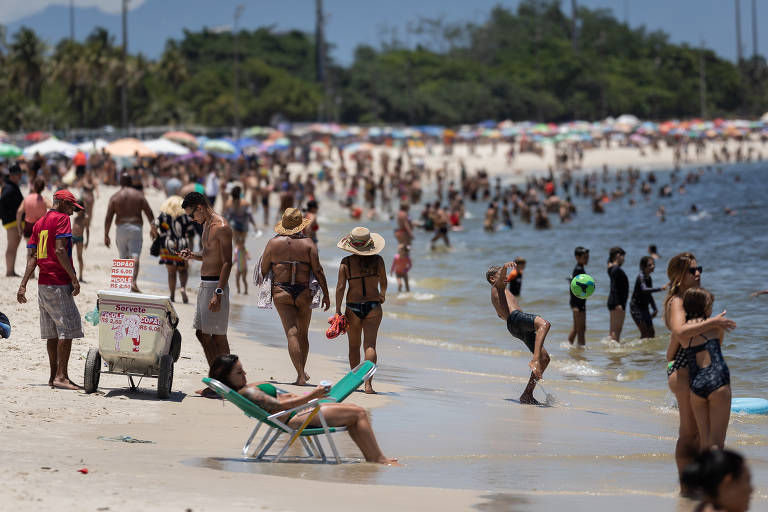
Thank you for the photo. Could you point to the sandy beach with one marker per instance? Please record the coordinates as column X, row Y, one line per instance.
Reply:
column 192, row 461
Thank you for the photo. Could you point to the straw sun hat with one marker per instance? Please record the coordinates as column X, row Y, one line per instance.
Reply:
column 361, row 241
column 291, row 223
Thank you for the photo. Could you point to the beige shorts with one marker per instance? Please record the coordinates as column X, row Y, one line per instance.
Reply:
column 59, row 317
column 206, row 320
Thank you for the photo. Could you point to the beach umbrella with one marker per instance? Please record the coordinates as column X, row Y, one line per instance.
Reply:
column 9, row 151
column 181, row 138
column 91, row 146
column 258, row 131
column 163, row 146
column 51, row 146
column 128, row 147
column 358, row 146
column 248, row 142
column 220, row 146
column 319, row 146
column 36, row 136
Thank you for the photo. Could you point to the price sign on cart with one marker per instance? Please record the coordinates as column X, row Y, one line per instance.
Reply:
column 122, row 274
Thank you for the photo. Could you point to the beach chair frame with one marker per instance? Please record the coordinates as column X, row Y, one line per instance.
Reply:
column 277, row 427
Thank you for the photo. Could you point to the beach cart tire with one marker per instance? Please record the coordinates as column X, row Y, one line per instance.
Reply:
column 92, row 370
column 165, row 378
column 176, row 345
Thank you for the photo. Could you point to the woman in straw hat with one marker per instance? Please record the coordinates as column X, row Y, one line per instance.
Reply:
column 174, row 227
column 292, row 257
column 366, row 274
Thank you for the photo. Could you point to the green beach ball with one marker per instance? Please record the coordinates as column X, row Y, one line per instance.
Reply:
column 582, row 286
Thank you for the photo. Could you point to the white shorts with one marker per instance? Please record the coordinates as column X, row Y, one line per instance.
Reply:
column 129, row 240
column 206, row 321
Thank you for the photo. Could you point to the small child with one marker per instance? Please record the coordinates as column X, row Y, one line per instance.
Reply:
column 710, row 379
column 401, row 265
column 241, row 258
column 531, row 329
column 81, row 232
column 579, row 306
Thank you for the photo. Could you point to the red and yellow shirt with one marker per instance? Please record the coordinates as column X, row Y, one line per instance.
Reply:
column 52, row 226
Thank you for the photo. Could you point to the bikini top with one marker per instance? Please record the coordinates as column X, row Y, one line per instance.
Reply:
column 362, row 277
column 293, row 265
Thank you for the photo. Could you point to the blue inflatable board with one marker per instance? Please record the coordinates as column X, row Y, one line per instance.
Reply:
column 749, row 405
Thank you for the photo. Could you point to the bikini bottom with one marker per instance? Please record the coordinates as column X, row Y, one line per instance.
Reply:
column 293, row 289
column 361, row 309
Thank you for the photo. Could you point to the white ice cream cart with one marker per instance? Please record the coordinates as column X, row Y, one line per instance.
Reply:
column 137, row 338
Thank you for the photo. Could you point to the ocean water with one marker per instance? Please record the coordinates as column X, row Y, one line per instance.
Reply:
column 610, row 424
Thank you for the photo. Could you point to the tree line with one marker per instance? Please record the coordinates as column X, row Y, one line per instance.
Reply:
column 520, row 65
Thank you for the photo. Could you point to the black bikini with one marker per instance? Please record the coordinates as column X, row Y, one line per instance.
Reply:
column 292, row 287
column 361, row 309
column 704, row 381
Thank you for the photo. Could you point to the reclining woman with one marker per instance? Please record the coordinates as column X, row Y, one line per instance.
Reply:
column 228, row 370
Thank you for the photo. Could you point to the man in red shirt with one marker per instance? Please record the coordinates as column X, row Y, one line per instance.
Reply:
column 50, row 248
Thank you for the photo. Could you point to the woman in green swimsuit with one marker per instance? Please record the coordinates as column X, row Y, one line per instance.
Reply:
column 228, row 370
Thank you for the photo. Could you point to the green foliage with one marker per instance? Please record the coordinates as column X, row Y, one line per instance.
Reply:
column 517, row 65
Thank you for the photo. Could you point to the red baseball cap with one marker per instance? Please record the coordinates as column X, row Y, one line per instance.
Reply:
column 66, row 195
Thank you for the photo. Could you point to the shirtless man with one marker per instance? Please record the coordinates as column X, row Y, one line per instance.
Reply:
column 126, row 206
column 212, row 313
column 404, row 231
column 530, row 329
column 442, row 221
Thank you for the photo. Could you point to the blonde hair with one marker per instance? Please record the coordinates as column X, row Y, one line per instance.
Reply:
column 676, row 271
column 172, row 207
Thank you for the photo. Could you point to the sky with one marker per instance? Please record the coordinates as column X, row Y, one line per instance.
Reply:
column 354, row 22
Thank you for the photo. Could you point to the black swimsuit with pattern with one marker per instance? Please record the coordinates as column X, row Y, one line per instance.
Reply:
column 705, row 380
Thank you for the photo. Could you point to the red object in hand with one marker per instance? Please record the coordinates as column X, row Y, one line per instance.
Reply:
column 338, row 326
column 512, row 275
column 83, row 471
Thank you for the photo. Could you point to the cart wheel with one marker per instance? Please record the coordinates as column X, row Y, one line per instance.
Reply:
column 92, row 370
column 165, row 379
column 176, row 345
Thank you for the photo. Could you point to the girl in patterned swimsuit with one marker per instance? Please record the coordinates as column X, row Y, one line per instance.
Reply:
column 709, row 377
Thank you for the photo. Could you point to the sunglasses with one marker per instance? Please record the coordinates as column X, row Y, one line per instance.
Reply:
column 693, row 270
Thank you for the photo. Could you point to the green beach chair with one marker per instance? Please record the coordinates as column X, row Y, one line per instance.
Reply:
column 276, row 427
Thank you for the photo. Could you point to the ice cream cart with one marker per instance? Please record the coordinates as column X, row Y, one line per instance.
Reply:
column 137, row 338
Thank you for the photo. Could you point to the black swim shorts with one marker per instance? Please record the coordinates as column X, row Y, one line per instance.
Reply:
column 577, row 303
column 641, row 316
column 521, row 326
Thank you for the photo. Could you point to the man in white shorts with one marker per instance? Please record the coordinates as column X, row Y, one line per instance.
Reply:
column 212, row 313
column 126, row 206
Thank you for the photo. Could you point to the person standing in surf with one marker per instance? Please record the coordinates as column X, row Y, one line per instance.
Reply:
column 617, row 298
column 684, row 273
column 642, row 297
column 531, row 329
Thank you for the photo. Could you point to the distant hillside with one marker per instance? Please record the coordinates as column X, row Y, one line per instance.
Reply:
column 518, row 65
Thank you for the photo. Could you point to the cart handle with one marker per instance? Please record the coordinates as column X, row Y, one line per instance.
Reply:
column 170, row 320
